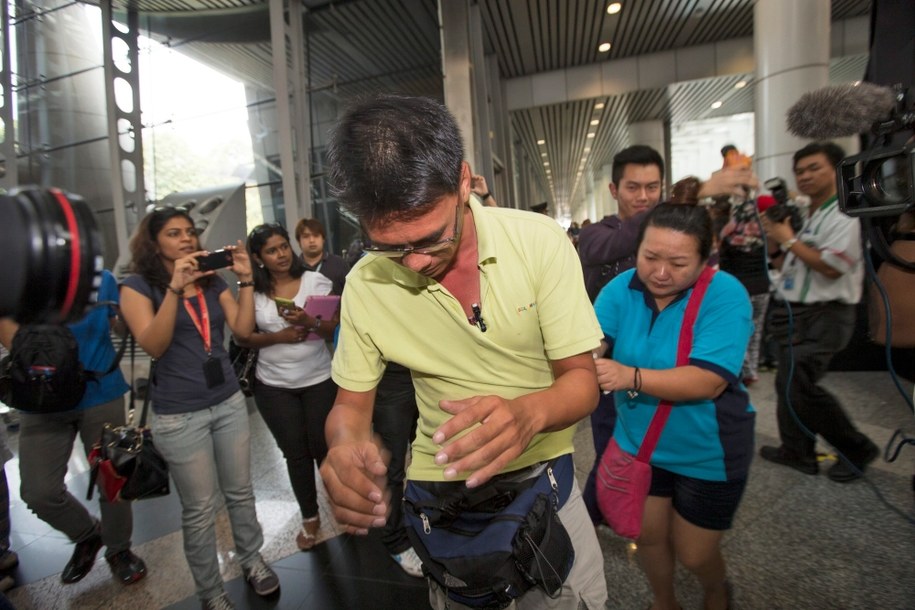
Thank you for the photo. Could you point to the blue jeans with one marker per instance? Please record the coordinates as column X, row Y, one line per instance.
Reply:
column 208, row 451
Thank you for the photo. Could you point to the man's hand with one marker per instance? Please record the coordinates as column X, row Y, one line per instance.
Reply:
column 505, row 431
column 354, row 476
column 779, row 232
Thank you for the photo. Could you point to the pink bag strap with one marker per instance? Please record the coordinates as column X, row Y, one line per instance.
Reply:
column 684, row 345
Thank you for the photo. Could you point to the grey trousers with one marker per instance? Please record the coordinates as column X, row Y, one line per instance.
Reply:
column 45, row 445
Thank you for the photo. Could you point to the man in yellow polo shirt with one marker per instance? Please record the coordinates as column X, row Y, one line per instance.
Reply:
column 486, row 306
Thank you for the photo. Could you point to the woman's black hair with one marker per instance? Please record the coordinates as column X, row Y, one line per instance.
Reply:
column 689, row 219
column 144, row 248
column 257, row 239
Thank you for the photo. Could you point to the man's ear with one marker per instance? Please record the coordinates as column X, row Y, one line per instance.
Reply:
column 466, row 176
column 613, row 191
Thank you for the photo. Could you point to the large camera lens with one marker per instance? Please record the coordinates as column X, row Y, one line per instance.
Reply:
column 886, row 180
column 50, row 256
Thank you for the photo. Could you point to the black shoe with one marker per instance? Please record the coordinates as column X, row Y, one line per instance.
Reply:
column 782, row 456
column 83, row 557
column 127, row 567
column 845, row 472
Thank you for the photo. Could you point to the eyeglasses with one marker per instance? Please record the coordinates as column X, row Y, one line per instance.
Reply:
column 433, row 248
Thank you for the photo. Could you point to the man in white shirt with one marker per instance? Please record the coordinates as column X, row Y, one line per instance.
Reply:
column 821, row 282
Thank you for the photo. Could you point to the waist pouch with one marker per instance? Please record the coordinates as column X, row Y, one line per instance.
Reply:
column 488, row 545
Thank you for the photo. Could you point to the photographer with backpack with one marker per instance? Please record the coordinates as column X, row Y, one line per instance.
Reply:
column 46, row 439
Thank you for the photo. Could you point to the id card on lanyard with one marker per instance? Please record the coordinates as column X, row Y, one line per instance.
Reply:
column 212, row 369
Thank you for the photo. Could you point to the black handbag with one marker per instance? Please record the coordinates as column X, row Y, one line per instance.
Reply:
column 244, row 362
column 125, row 462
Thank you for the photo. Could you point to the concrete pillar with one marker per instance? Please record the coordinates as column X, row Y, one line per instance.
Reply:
column 649, row 133
column 791, row 44
column 606, row 204
column 454, row 20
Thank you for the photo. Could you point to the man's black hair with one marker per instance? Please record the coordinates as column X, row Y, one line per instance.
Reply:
column 638, row 154
column 833, row 152
column 726, row 149
column 392, row 157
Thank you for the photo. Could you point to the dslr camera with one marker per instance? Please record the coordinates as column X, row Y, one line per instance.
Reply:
column 782, row 209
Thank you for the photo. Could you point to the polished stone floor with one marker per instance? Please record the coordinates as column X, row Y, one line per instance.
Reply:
column 799, row 542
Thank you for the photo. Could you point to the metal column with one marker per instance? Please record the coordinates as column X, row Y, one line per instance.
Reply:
column 10, row 175
column 125, row 130
column 291, row 108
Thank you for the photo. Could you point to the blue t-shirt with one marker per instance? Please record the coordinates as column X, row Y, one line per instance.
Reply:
column 704, row 439
column 179, row 385
column 96, row 352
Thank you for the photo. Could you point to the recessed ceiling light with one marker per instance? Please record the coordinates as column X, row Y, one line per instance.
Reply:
column 587, row 149
column 546, row 164
column 542, row 154
column 716, row 105
column 604, row 47
column 541, row 142
column 614, row 7
column 599, row 106
column 595, row 121
column 740, row 84
column 591, row 135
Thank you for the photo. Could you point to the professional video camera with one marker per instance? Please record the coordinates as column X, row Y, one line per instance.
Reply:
column 51, row 253
column 782, row 209
column 880, row 181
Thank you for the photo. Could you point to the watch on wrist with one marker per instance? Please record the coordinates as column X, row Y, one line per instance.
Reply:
column 316, row 326
column 786, row 245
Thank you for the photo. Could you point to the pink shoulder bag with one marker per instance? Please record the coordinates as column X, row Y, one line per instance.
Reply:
column 623, row 480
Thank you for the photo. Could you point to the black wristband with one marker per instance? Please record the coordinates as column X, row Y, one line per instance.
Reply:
column 245, row 284
column 485, row 197
column 179, row 293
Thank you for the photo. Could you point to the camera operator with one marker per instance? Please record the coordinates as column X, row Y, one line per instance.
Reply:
column 813, row 319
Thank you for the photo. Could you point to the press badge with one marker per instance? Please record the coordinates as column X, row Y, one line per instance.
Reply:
column 212, row 372
column 788, row 283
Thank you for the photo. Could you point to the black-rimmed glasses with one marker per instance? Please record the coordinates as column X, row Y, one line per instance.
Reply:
column 433, row 248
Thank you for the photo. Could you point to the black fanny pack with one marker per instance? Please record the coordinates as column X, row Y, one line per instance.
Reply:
column 488, row 545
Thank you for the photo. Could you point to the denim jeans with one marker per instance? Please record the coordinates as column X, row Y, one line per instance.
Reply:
column 296, row 418
column 209, row 451
column 45, row 444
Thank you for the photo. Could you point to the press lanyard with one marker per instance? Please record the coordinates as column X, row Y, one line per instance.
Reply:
column 203, row 329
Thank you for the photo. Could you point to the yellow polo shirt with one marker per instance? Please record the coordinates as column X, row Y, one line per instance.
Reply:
column 534, row 305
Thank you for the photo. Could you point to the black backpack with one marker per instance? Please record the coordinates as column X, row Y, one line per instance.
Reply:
column 43, row 373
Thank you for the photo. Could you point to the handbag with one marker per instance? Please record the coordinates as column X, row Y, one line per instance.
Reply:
column 487, row 546
column 244, row 363
column 125, row 462
column 623, row 480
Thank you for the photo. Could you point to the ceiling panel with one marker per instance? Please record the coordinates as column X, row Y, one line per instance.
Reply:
column 357, row 46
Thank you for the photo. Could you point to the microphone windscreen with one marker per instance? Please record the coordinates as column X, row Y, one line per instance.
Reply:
column 839, row 111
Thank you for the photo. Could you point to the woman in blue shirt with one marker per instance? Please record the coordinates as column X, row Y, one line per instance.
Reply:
column 700, row 465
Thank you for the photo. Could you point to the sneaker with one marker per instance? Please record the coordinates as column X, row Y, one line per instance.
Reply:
column 262, row 579
column 844, row 471
column 782, row 456
column 82, row 559
column 220, row 602
column 410, row 562
column 8, row 560
column 127, row 567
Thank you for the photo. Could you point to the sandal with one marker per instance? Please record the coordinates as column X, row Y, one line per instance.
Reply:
column 308, row 535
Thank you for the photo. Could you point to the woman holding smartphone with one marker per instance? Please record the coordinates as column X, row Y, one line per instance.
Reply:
column 294, row 391
column 200, row 420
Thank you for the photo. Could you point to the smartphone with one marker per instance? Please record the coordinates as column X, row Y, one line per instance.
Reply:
column 215, row 260
column 284, row 306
